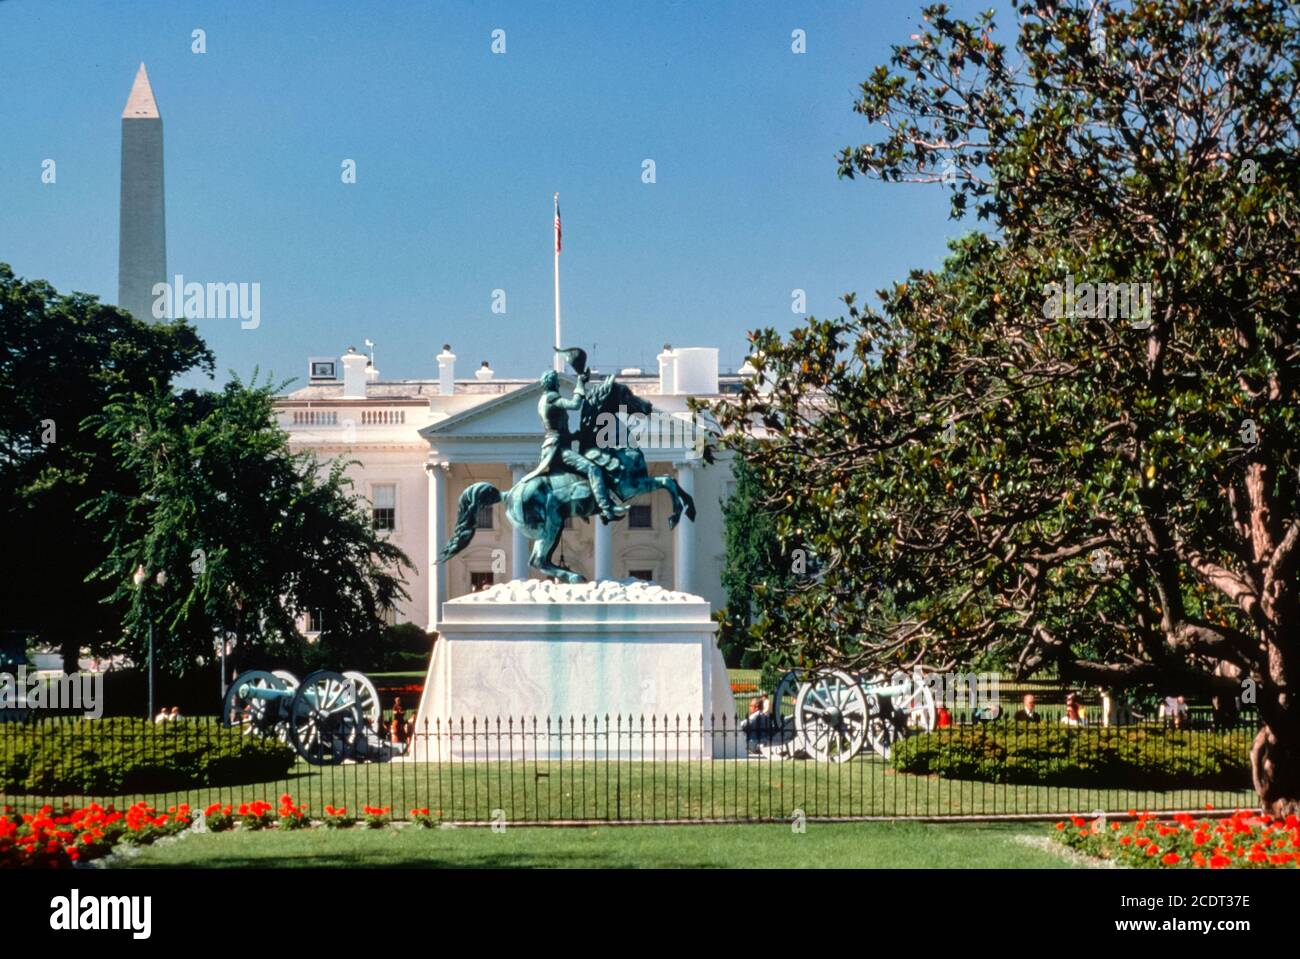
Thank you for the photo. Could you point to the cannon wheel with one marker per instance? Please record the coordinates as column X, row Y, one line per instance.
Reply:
column 372, row 710
column 325, row 718
column 831, row 715
column 249, row 713
column 289, row 679
column 783, row 700
column 918, row 705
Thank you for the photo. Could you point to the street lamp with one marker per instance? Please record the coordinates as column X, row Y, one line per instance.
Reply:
column 139, row 578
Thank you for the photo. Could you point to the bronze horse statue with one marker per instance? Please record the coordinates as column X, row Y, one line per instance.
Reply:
column 539, row 505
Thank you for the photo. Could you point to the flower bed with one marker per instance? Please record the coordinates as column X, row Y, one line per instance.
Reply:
column 1246, row 839
column 48, row 841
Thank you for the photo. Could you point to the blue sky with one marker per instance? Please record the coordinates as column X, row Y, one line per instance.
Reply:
column 458, row 152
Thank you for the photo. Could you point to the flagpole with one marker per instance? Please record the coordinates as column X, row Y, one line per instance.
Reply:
column 557, row 359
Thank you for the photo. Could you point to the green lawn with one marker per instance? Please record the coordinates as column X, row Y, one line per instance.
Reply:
column 666, row 790
column 888, row 845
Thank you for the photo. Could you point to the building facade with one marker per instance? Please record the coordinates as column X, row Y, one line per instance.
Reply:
column 414, row 446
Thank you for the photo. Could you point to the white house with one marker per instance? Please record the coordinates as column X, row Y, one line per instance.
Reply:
column 418, row 443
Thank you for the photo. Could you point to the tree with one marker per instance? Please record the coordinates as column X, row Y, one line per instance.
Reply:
column 755, row 560
column 252, row 536
column 1075, row 444
column 61, row 358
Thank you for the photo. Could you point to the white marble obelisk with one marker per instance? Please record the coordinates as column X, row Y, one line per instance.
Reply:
column 142, row 234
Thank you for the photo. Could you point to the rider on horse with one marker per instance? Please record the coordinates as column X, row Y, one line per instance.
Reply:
column 557, row 452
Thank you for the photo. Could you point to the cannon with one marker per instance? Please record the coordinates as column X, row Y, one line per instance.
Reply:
column 832, row 715
column 327, row 718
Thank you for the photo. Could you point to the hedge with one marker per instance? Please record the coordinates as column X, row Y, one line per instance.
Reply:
column 107, row 756
column 1115, row 757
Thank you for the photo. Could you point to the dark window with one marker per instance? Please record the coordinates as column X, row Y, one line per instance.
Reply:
column 645, row 574
column 383, row 506
column 640, row 517
column 480, row 581
column 315, row 619
column 485, row 517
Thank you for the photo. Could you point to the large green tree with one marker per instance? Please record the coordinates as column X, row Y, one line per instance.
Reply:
column 62, row 356
column 755, row 560
column 251, row 535
column 1107, row 490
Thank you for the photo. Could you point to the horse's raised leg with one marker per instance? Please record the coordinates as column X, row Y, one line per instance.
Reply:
column 682, row 500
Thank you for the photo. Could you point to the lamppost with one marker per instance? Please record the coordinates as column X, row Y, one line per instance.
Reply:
column 139, row 579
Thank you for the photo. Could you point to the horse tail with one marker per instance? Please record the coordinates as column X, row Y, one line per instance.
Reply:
column 471, row 501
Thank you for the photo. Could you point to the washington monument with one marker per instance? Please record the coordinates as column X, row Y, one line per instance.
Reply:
column 142, row 239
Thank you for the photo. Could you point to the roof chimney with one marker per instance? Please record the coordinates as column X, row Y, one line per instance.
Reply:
column 446, row 371
column 696, row 370
column 484, row 372
column 667, row 371
column 354, row 375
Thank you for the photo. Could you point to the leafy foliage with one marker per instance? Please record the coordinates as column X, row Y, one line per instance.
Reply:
column 1093, row 757
column 1113, row 495
column 109, row 756
column 62, row 356
column 754, row 561
column 251, row 535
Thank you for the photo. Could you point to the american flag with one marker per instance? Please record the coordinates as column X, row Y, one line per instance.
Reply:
column 557, row 224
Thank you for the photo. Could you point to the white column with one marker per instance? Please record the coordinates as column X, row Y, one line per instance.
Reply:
column 684, row 536
column 437, row 574
column 603, row 565
column 518, row 541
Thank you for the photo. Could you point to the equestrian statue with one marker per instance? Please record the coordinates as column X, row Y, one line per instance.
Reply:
column 574, row 476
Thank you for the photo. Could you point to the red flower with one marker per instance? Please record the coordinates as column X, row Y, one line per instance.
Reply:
column 1170, row 858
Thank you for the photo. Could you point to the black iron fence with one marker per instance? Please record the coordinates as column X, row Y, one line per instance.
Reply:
column 643, row 769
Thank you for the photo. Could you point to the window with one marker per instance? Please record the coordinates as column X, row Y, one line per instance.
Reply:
column 646, row 574
column 315, row 621
column 640, row 517
column 484, row 517
column 383, row 506
column 480, row 581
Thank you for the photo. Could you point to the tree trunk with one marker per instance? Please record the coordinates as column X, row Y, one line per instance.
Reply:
column 70, row 648
column 1275, row 769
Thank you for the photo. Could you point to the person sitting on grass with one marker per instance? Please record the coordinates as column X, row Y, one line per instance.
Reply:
column 1026, row 714
column 1074, row 714
column 758, row 724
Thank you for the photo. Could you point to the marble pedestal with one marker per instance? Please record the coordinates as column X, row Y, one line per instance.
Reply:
column 534, row 669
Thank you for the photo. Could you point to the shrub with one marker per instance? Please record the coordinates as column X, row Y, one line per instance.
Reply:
column 376, row 816
column 110, row 756
column 1148, row 757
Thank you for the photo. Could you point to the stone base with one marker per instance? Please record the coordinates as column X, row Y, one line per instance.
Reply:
column 535, row 669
